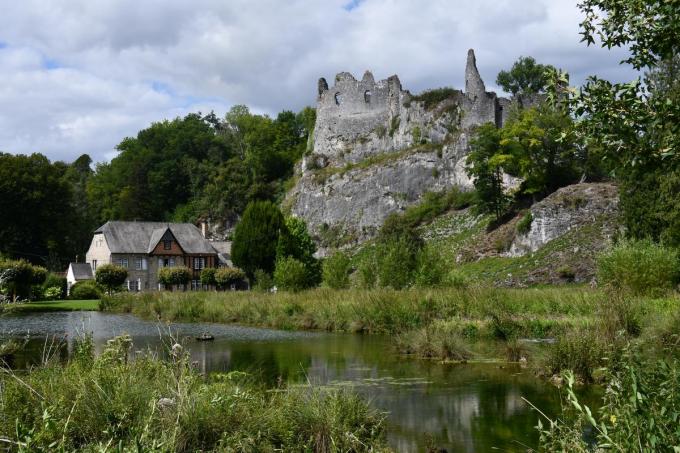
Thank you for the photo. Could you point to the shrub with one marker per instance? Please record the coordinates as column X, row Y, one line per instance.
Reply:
column 580, row 350
column 639, row 267
column 19, row 276
column 52, row 293
column 208, row 276
column 53, row 280
column 336, row 269
column 110, row 276
column 263, row 281
column 524, row 224
column 432, row 98
column 227, row 276
column 290, row 275
column 366, row 275
column 87, row 289
column 430, row 268
column 172, row 276
column 396, row 264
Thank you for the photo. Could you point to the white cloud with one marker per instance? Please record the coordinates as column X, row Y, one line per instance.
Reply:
column 78, row 76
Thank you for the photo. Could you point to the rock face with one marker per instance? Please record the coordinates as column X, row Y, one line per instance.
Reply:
column 377, row 149
column 568, row 208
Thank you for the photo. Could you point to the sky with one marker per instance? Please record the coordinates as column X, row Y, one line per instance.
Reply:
column 78, row 76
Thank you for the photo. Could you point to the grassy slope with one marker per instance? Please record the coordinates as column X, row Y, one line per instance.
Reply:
column 57, row 305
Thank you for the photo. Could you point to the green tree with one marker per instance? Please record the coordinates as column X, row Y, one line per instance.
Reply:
column 525, row 77
column 295, row 241
column 256, row 237
column 290, row 274
column 17, row 276
column 336, row 270
column 174, row 276
column 36, row 203
column 110, row 276
column 636, row 125
column 485, row 165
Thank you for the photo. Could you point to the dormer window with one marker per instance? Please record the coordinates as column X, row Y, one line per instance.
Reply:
column 338, row 98
column 167, row 245
column 367, row 96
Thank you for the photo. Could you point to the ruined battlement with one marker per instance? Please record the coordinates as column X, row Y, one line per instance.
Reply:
column 357, row 116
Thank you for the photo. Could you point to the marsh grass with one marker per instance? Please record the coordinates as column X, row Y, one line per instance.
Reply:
column 375, row 311
column 146, row 404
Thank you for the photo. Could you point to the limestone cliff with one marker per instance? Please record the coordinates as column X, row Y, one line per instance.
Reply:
column 377, row 149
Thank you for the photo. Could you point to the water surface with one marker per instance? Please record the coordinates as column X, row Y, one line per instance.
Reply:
column 459, row 407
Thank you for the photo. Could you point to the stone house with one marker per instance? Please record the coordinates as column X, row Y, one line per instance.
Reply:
column 145, row 247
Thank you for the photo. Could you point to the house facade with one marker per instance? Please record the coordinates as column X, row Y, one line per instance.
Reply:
column 145, row 247
column 77, row 272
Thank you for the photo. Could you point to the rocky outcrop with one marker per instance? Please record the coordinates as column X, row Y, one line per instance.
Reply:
column 569, row 208
column 377, row 148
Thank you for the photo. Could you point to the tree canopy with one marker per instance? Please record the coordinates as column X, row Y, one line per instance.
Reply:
column 525, row 77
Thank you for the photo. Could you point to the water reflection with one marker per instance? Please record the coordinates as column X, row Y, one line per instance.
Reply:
column 466, row 408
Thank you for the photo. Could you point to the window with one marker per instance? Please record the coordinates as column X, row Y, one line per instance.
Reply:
column 199, row 262
column 94, row 265
column 367, row 96
column 171, row 262
column 123, row 262
column 167, row 245
column 133, row 285
column 195, row 285
column 338, row 98
column 138, row 264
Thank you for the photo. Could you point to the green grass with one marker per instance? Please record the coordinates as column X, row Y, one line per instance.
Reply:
column 109, row 403
column 57, row 305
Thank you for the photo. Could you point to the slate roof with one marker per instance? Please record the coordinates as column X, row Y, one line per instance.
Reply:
column 139, row 237
column 81, row 271
column 223, row 249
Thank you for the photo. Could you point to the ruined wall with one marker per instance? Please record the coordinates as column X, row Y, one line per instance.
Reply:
column 377, row 149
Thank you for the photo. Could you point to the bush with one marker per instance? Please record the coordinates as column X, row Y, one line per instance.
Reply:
column 430, row 268
column 52, row 293
column 432, row 98
column 227, row 276
column 110, row 276
column 208, row 276
column 19, row 276
column 580, row 350
column 173, row 276
column 53, row 280
column 457, row 279
column 524, row 224
column 263, row 281
column 290, row 275
column 639, row 267
column 396, row 264
column 256, row 237
column 336, row 269
column 87, row 289
column 366, row 275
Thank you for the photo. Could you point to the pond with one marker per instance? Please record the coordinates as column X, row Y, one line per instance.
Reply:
column 459, row 407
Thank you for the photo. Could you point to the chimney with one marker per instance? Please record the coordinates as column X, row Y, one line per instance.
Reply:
column 204, row 229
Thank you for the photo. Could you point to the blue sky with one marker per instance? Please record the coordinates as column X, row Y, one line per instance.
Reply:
column 79, row 76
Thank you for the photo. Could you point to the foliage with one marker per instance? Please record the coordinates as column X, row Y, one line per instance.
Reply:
column 581, row 351
column 396, row 263
column 110, row 276
column 208, row 276
column 430, row 269
column 41, row 222
column 52, row 293
column 295, row 241
column 18, row 276
column 457, row 279
column 432, row 98
column 256, row 237
column 336, row 270
column 434, row 204
column 54, row 280
column 85, row 290
column 525, row 77
column 227, row 276
column 290, row 274
column 487, row 170
column 174, row 276
column 639, row 267
column 263, row 281
column 524, row 224
column 639, row 412
column 146, row 404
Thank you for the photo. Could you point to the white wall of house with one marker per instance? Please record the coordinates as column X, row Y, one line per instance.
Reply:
column 98, row 253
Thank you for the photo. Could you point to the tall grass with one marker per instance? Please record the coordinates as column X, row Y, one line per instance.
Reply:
column 110, row 403
column 375, row 310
